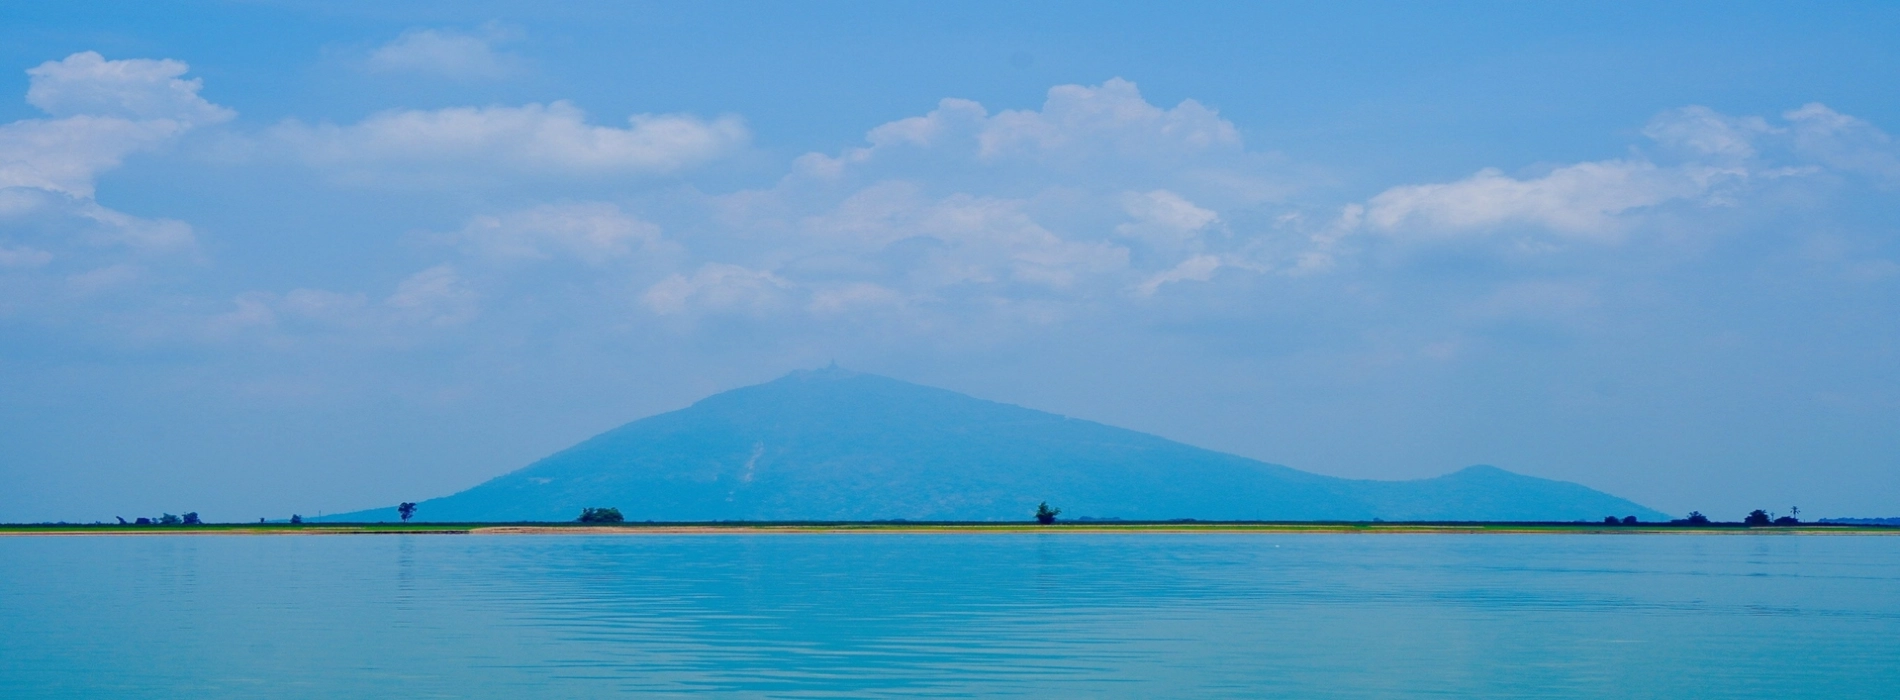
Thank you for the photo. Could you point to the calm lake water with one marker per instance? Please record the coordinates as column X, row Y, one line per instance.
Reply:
column 1036, row 615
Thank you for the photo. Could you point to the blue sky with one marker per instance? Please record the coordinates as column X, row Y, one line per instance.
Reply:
column 259, row 258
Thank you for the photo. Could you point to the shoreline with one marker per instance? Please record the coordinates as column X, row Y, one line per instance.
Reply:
column 886, row 528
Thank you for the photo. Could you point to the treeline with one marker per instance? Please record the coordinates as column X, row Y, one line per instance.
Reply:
column 1755, row 518
column 165, row 519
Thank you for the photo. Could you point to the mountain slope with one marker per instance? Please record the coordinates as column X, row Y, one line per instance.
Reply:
column 836, row 445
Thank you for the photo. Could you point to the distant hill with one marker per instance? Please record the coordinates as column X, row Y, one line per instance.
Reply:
column 832, row 444
column 1861, row 521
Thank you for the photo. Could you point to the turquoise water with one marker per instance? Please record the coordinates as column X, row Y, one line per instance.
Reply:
column 1036, row 615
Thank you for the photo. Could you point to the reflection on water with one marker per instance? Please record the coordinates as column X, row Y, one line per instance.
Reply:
column 856, row 615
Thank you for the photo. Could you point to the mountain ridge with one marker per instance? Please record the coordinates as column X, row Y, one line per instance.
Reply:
column 832, row 444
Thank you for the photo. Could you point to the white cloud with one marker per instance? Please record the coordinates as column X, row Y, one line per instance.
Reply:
column 718, row 287
column 962, row 206
column 1112, row 117
column 66, row 221
column 593, row 232
column 446, row 53
column 975, row 240
column 1723, row 157
column 105, row 111
column 102, row 111
column 1703, row 132
column 531, row 139
column 138, row 89
column 1164, row 219
column 1076, row 125
column 1582, row 200
column 1199, row 268
column 1843, row 142
column 436, row 296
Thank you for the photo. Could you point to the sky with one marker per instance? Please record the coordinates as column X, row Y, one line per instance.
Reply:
column 262, row 258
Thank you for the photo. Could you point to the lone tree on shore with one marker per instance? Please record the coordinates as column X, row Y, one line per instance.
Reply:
column 1045, row 514
column 601, row 515
column 407, row 511
column 1756, row 517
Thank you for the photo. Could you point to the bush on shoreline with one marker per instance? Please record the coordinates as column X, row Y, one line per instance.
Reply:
column 601, row 515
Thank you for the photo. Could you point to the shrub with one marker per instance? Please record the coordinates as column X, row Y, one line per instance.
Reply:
column 1045, row 514
column 601, row 515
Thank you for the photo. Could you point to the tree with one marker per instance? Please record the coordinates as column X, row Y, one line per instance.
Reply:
column 1756, row 517
column 296, row 519
column 407, row 511
column 1611, row 520
column 1045, row 514
column 192, row 519
column 1629, row 520
column 601, row 515
column 169, row 519
column 1697, row 518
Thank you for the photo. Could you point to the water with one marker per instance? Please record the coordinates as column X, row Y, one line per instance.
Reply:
column 1029, row 615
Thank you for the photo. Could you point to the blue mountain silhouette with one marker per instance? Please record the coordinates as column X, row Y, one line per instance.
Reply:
column 832, row 444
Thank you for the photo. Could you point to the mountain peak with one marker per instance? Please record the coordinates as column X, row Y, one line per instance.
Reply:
column 831, row 372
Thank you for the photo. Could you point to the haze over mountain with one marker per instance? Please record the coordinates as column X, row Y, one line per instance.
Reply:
column 832, row 444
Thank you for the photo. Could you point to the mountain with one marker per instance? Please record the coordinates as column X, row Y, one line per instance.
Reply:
column 831, row 444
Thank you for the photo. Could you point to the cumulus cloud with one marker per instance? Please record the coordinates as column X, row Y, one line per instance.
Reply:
column 1843, row 142
column 536, row 139
column 718, row 287
column 1703, row 132
column 966, row 239
column 595, row 233
column 1581, row 200
column 1164, row 219
column 1721, row 156
column 436, row 297
column 447, row 53
column 1091, row 194
column 1112, row 117
column 1076, row 125
column 54, row 237
column 139, row 89
column 104, row 110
